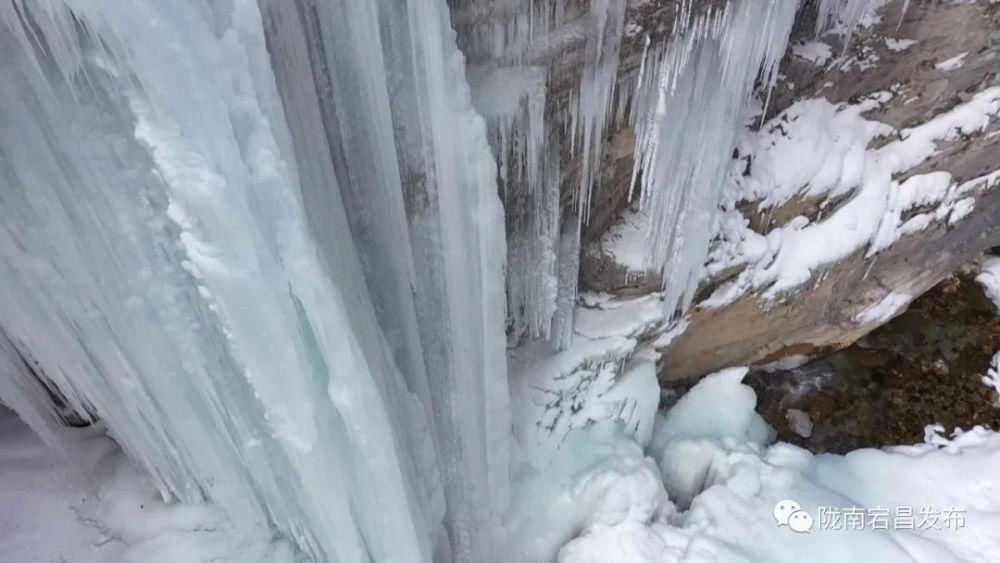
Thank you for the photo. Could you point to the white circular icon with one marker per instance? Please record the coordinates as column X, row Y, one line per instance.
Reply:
column 784, row 509
column 800, row 522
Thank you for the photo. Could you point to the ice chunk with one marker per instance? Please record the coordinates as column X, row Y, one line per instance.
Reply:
column 815, row 52
column 951, row 64
column 800, row 422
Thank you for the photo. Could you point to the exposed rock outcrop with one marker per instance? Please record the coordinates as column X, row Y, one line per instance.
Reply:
column 925, row 366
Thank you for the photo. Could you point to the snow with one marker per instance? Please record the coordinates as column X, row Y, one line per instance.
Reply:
column 825, row 141
column 600, row 479
column 625, row 241
column 554, row 393
column 815, row 52
column 690, row 418
column 992, row 377
column 102, row 509
column 627, row 317
column 890, row 306
column 951, row 64
column 899, row 45
column 721, row 479
column 671, row 332
column 828, row 144
column 989, row 278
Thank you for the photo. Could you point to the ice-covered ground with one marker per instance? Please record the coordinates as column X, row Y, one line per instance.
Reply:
column 704, row 490
column 101, row 509
column 709, row 486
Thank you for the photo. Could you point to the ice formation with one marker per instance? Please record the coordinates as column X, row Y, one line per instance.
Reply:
column 840, row 16
column 281, row 292
column 690, row 110
column 278, row 248
column 707, row 487
column 513, row 50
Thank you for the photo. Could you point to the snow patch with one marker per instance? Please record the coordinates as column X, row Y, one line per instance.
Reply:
column 818, row 150
column 989, row 278
column 899, row 45
column 800, row 422
column 100, row 508
column 951, row 64
column 890, row 305
column 815, row 52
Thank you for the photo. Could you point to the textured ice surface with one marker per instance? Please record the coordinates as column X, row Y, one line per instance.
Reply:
column 263, row 244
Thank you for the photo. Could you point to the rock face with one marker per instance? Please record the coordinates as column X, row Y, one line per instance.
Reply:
column 908, row 76
column 926, row 365
column 932, row 59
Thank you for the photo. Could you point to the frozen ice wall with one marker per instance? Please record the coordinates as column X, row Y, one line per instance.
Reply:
column 277, row 277
column 392, row 130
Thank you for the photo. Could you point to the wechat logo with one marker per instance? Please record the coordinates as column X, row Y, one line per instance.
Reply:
column 789, row 513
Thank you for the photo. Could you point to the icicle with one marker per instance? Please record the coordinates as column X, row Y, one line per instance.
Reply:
column 569, row 273
column 509, row 83
column 597, row 89
column 512, row 43
column 842, row 17
column 686, row 129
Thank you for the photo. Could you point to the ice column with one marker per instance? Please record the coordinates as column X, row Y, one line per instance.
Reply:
column 382, row 124
column 274, row 270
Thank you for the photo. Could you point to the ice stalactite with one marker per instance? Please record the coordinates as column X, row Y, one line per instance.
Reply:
column 514, row 47
column 843, row 16
column 280, row 292
column 690, row 105
column 589, row 123
column 509, row 80
column 597, row 92
column 513, row 99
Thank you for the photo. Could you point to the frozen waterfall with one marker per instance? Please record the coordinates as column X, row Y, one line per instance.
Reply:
column 283, row 296
column 279, row 248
